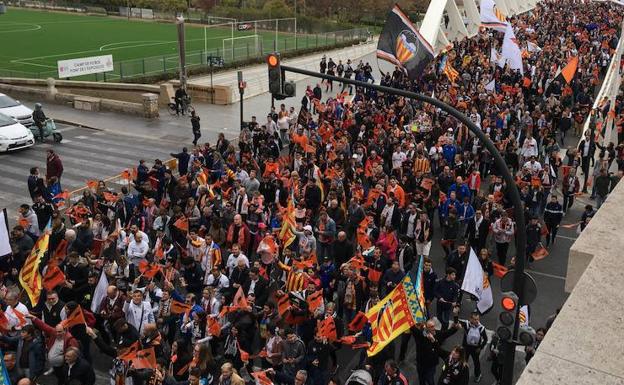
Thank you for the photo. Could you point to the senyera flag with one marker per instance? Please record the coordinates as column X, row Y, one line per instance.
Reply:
column 30, row 276
column 401, row 44
column 400, row 310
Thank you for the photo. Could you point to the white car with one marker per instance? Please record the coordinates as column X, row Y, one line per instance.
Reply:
column 14, row 135
column 16, row 110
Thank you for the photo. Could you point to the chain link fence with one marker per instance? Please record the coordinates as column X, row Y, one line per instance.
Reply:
column 237, row 52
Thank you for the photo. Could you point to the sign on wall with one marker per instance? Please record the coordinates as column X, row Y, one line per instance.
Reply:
column 85, row 66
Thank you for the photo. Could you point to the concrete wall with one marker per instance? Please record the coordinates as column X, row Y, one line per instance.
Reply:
column 586, row 342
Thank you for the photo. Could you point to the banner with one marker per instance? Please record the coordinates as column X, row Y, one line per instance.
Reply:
column 85, row 66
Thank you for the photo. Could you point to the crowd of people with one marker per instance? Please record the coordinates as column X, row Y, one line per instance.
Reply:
column 193, row 274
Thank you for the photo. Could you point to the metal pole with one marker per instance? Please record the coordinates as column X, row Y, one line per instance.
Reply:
column 181, row 50
column 241, row 90
column 205, row 40
column 211, row 85
column 514, row 194
column 295, row 24
column 276, row 36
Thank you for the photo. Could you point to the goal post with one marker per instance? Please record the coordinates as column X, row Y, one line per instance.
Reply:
column 239, row 43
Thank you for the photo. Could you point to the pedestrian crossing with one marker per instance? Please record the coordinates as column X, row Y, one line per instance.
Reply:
column 86, row 155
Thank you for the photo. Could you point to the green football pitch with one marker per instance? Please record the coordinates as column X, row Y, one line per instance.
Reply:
column 33, row 41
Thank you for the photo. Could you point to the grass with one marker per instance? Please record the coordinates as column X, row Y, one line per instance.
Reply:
column 33, row 41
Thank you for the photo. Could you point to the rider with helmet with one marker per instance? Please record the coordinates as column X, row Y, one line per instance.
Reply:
column 40, row 119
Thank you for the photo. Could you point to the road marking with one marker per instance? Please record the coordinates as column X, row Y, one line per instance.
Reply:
column 80, row 137
column 546, row 274
column 564, row 237
column 67, row 141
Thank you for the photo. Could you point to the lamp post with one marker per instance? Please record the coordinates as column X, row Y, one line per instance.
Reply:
column 181, row 50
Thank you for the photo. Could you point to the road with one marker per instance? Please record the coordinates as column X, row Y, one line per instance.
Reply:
column 86, row 154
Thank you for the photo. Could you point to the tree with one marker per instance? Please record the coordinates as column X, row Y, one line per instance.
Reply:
column 277, row 9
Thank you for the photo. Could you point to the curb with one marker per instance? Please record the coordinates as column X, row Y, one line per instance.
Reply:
column 63, row 121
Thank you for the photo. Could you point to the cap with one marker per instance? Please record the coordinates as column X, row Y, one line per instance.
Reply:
column 307, row 228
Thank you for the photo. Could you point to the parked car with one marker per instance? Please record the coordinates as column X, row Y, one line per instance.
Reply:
column 16, row 110
column 14, row 135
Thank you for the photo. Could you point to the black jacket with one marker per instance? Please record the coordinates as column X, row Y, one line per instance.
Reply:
column 471, row 232
column 81, row 373
column 426, row 350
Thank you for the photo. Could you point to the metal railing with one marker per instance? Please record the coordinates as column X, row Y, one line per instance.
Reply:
column 244, row 51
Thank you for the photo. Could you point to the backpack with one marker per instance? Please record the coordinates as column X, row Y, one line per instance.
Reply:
column 473, row 335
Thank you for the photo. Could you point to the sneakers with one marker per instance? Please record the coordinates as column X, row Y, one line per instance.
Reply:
column 477, row 379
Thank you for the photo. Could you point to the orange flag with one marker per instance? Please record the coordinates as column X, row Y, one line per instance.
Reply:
column 53, row 277
column 4, row 322
column 125, row 174
column 283, row 304
column 92, row 184
column 358, row 322
column 315, row 300
column 75, row 318
column 129, row 353
column 540, row 253
column 20, row 317
column 149, row 270
column 240, row 300
column 357, row 262
column 243, row 354
column 262, row 378
column 179, row 307
column 182, row 224
column 213, row 327
column 347, row 340
column 374, row 275
column 499, row 270
column 62, row 195
column 327, row 328
column 144, row 359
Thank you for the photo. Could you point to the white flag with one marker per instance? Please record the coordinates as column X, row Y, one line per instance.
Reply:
column 491, row 86
column 100, row 292
column 532, row 47
column 511, row 51
column 5, row 246
column 477, row 283
column 492, row 17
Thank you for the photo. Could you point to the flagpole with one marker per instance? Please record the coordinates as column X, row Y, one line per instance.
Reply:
column 514, row 194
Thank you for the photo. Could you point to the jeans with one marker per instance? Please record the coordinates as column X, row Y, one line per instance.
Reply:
column 600, row 200
column 568, row 201
column 501, row 252
column 473, row 352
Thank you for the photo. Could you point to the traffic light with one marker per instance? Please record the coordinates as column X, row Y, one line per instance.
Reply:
column 278, row 86
column 507, row 317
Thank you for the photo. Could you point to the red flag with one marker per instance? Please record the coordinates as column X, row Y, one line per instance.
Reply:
column 149, row 270
column 53, row 277
column 4, row 322
column 61, row 251
column 92, row 184
column 359, row 346
column 243, row 354
column 357, row 262
column 358, row 322
column 315, row 300
column 499, row 270
column 327, row 328
column 62, row 195
column 125, row 174
column 96, row 247
column 179, row 307
column 144, row 359
column 374, row 275
column 75, row 318
column 182, row 224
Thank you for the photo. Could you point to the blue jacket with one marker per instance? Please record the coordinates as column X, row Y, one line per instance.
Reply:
column 449, row 151
column 36, row 353
column 460, row 192
column 445, row 207
column 465, row 211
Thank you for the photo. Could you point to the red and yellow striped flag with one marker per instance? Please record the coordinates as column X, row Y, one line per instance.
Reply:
column 397, row 312
column 450, row 72
column 287, row 233
column 30, row 276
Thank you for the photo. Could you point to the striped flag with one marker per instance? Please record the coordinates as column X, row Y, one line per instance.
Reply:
column 450, row 72
column 287, row 233
column 492, row 16
column 30, row 276
column 4, row 374
column 398, row 311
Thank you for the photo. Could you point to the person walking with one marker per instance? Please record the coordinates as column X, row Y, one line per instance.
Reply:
column 552, row 218
column 196, row 128
column 475, row 339
column 54, row 166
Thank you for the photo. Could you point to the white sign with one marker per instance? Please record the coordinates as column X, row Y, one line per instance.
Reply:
column 85, row 66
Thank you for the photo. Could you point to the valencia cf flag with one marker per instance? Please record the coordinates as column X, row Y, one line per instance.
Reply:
column 401, row 44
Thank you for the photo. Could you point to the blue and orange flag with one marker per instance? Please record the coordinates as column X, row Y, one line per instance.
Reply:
column 400, row 310
column 4, row 374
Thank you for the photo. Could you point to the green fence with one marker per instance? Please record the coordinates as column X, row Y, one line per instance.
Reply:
column 237, row 51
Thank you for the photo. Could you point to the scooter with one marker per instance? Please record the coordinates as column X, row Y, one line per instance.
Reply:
column 49, row 128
